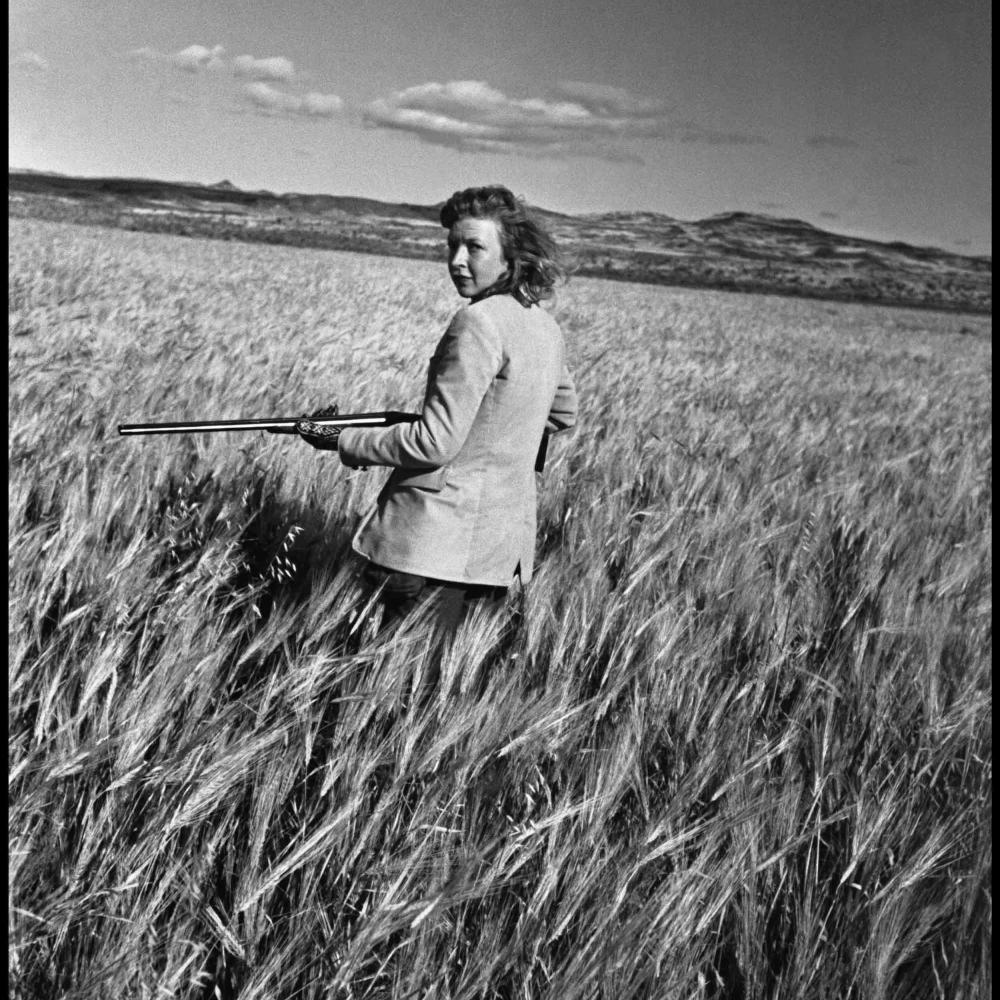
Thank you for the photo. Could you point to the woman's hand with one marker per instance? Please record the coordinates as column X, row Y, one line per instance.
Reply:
column 323, row 438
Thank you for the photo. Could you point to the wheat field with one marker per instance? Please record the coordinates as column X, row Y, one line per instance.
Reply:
column 737, row 746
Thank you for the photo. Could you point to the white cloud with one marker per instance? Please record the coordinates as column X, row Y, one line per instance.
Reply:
column 472, row 115
column 271, row 68
column 30, row 61
column 195, row 58
column 605, row 100
column 576, row 118
column 262, row 73
column 192, row 59
column 323, row 105
column 270, row 100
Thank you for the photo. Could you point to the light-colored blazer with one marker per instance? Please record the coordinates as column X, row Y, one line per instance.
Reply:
column 460, row 503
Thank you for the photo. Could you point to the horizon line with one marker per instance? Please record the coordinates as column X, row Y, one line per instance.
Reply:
column 225, row 184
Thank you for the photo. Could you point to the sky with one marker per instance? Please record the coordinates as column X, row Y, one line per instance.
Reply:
column 865, row 117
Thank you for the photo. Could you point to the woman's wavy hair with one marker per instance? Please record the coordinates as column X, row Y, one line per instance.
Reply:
column 535, row 262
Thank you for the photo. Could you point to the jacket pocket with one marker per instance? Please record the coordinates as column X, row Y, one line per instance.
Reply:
column 426, row 479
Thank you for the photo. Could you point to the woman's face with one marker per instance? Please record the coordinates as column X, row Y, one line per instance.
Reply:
column 475, row 256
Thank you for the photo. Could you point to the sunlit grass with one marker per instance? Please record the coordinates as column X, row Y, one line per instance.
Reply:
column 738, row 747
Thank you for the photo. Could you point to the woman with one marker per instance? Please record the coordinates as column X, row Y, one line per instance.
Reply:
column 456, row 520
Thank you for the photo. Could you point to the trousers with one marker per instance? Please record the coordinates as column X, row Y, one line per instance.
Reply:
column 449, row 602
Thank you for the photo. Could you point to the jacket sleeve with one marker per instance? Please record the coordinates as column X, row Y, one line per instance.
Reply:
column 461, row 371
column 562, row 414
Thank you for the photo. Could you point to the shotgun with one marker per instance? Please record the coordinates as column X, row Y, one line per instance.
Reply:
column 274, row 425
column 286, row 425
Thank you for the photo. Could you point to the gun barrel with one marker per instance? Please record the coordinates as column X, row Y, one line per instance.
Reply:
column 276, row 425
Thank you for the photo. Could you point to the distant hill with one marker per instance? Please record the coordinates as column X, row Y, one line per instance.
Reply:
column 741, row 251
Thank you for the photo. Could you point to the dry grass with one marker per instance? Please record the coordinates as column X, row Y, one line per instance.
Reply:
column 739, row 748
